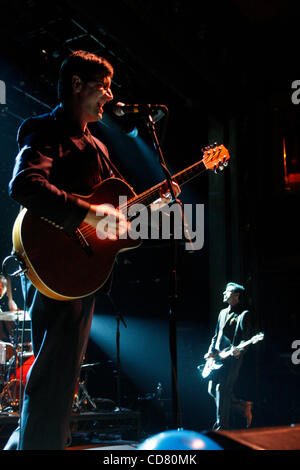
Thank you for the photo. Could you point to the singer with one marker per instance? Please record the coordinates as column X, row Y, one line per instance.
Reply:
column 59, row 157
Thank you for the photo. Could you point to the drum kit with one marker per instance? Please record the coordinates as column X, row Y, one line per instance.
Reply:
column 16, row 359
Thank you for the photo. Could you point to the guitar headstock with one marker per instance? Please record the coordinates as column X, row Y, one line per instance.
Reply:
column 215, row 157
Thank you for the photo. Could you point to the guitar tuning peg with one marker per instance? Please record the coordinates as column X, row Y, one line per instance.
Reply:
column 225, row 164
column 218, row 169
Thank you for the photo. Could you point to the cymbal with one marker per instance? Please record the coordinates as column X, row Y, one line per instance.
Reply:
column 14, row 315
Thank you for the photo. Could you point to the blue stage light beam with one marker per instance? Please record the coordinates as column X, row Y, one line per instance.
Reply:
column 144, row 348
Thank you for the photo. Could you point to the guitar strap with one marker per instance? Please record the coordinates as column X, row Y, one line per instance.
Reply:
column 108, row 162
column 115, row 171
column 240, row 317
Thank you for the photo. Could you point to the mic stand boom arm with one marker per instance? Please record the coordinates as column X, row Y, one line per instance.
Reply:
column 151, row 127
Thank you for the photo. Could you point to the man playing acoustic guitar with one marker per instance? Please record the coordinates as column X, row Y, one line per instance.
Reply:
column 58, row 159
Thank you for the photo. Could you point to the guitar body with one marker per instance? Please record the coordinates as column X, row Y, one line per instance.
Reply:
column 67, row 268
column 58, row 265
column 210, row 369
column 211, row 365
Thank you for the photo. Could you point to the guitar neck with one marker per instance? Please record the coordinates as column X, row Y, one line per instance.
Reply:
column 150, row 195
column 240, row 346
column 244, row 344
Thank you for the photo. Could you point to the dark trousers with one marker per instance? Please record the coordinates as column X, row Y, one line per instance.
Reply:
column 223, row 392
column 60, row 332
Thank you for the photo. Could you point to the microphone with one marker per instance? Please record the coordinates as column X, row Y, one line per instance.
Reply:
column 120, row 109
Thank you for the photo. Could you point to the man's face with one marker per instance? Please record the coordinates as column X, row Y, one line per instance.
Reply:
column 92, row 96
column 230, row 297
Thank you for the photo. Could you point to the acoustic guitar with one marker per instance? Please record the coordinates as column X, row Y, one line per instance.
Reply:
column 65, row 267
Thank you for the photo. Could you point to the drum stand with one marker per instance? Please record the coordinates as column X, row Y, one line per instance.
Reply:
column 12, row 392
column 82, row 397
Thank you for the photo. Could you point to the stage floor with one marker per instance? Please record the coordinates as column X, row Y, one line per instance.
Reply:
column 120, row 428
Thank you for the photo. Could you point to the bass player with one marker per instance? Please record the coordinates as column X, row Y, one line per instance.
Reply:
column 233, row 326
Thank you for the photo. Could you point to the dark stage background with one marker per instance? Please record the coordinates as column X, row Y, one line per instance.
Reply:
column 225, row 70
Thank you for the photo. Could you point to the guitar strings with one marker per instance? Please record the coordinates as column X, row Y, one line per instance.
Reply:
column 146, row 196
column 89, row 230
column 143, row 197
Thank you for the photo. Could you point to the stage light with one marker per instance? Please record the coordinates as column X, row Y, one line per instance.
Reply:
column 134, row 133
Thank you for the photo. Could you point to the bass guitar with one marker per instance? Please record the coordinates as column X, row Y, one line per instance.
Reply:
column 64, row 267
column 213, row 364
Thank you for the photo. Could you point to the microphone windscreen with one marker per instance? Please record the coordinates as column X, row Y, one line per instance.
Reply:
column 117, row 109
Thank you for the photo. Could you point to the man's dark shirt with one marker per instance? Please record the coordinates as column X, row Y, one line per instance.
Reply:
column 57, row 159
column 233, row 326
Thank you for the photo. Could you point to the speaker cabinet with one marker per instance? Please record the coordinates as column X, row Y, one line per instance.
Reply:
column 270, row 438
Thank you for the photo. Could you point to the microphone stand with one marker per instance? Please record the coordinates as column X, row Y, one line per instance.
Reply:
column 176, row 411
column 118, row 318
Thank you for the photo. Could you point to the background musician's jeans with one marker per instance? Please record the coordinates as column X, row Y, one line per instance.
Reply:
column 223, row 394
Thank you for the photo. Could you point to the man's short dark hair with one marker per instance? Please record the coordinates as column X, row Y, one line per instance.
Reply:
column 236, row 287
column 86, row 65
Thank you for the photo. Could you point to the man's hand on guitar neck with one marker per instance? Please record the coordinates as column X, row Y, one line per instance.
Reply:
column 236, row 353
column 165, row 197
column 108, row 221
